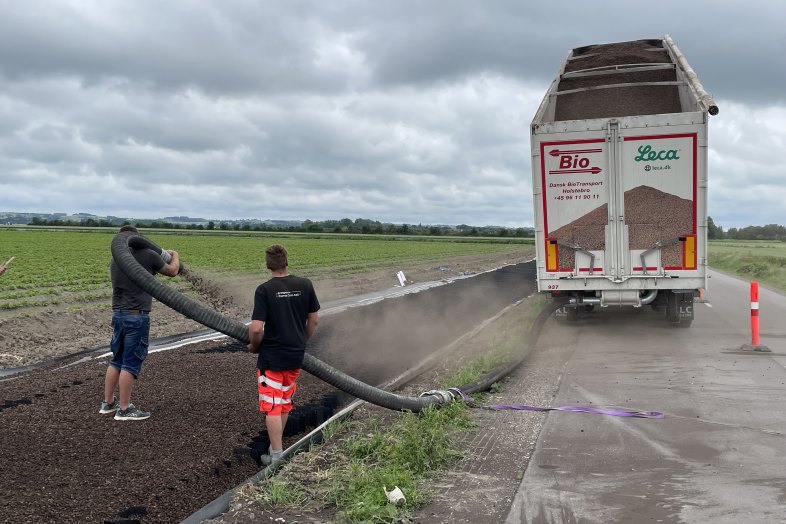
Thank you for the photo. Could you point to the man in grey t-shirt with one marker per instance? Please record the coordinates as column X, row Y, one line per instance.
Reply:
column 130, row 330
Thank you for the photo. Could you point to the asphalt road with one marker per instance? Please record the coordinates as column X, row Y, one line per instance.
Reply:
column 718, row 456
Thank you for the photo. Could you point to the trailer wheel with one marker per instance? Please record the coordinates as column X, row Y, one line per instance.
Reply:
column 679, row 309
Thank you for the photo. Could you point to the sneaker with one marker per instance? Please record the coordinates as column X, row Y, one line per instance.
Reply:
column 109, row 407
column 132, row 413
column 271, row 458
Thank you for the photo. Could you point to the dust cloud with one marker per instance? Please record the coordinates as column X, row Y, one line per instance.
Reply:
column 386, row 338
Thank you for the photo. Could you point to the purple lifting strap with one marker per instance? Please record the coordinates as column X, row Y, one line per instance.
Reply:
column 582, row 409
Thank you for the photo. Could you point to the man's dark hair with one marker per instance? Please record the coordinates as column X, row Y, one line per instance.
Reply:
column 276, row 257
column 128, row 227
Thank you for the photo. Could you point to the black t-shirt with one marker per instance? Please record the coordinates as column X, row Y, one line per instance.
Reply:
column 283, row 304
column 126, row 294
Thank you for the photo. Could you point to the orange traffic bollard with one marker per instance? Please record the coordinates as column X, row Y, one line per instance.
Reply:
column 755, row 344
column 754, row 313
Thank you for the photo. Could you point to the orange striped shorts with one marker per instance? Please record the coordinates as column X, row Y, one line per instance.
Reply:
column 275, row 391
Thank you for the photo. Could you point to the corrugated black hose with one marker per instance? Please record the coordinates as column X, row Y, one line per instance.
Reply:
column 121, row 253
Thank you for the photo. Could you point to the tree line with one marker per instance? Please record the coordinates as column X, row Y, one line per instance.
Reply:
column 768, row 232
column 358, row 226
column 362, row 226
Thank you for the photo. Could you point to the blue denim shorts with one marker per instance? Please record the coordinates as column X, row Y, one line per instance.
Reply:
column 129, row 341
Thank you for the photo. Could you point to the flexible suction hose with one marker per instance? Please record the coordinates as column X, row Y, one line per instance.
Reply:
column 121, row 253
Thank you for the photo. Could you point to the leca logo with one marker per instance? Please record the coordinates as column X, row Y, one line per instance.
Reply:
column 646, row 154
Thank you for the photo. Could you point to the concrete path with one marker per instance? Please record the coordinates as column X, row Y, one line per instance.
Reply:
column 717, row 456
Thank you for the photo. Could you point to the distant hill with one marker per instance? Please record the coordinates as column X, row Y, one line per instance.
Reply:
column 184, row 220
column 11, row 217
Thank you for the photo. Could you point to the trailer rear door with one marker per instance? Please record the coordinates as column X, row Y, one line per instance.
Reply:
column 621, row 203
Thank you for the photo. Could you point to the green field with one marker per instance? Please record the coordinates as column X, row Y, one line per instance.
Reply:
column 762, row 261
column 52, row 263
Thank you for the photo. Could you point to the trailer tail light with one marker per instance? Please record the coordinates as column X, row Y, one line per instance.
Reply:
column 551, row 255
column 689, row 252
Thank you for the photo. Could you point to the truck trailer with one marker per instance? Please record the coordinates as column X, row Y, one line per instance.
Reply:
column 619, row 177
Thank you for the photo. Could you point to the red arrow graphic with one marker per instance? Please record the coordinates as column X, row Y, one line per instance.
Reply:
column 593, row 170
column 557, row 152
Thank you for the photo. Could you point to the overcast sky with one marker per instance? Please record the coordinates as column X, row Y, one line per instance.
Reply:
column 398, row 111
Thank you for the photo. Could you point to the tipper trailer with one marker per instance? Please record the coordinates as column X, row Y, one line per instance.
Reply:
column 619, row 175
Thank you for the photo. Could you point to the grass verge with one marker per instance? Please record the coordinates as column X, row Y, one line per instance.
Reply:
column 762, row 261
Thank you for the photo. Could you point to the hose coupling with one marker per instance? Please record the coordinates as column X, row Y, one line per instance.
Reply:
column 443, row 396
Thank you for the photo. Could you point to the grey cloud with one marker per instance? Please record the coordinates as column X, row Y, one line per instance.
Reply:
column 241, row 47
column 398, row 111
column 227, row 47
column 735, row 47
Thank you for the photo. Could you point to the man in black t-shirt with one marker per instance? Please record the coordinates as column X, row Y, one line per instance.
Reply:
column 131, row 330
column 284, row 317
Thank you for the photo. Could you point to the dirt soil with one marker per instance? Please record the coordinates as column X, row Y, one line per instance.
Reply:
column 63, row 462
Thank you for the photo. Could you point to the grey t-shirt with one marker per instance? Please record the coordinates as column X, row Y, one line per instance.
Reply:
column 126, row 294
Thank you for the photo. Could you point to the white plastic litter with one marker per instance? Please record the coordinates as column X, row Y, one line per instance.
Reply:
column 395, row 495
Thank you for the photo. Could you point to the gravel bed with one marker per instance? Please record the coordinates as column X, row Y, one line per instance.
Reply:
column 619, row 101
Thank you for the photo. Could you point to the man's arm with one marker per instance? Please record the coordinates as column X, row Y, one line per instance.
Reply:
column 256, row 330
column 5, row 265
column 173, row 267
column 311, row 323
